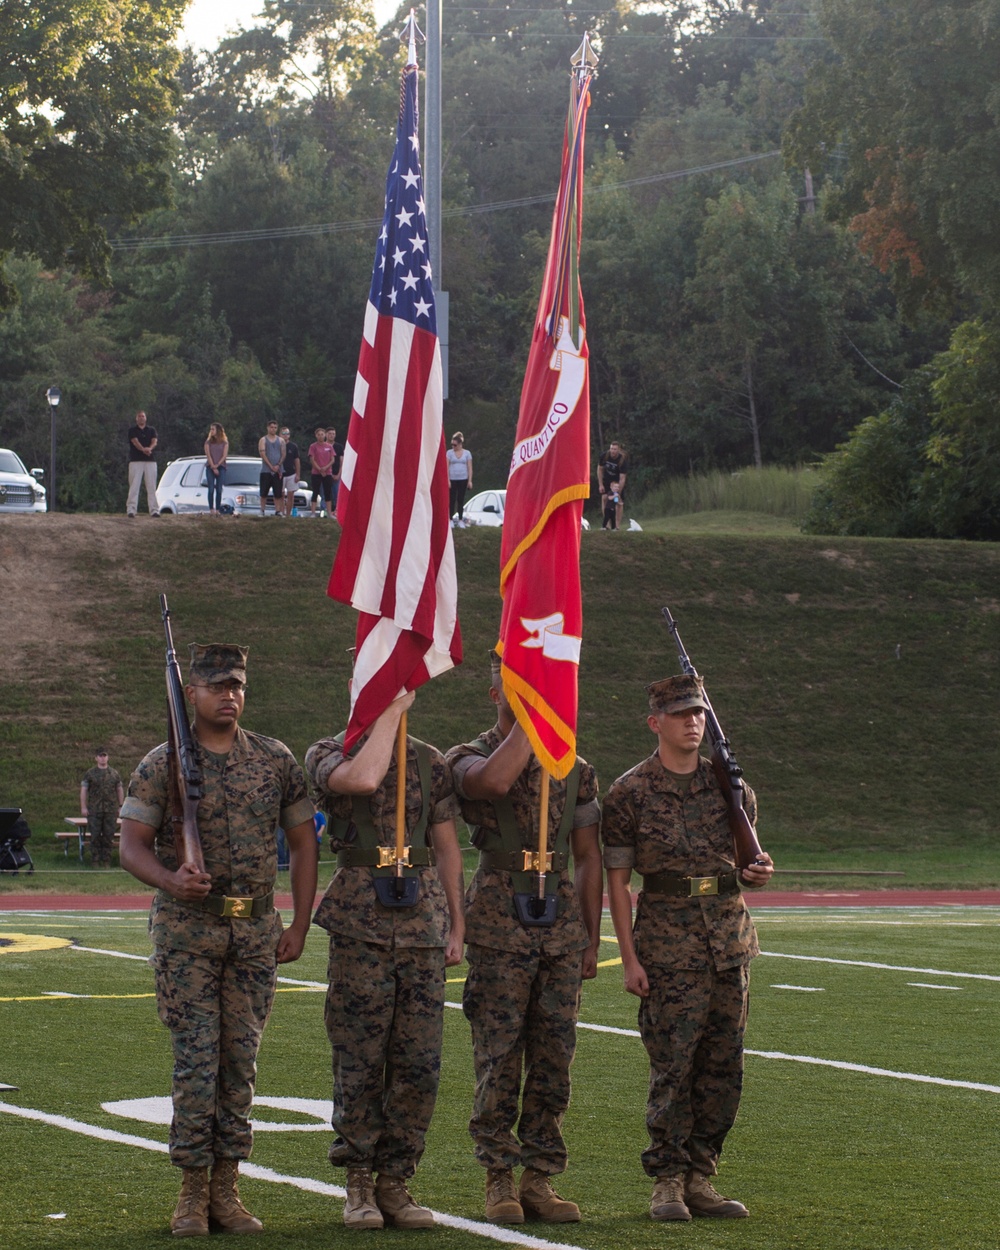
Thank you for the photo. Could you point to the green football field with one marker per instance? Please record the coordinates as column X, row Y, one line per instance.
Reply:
column 869, row 1119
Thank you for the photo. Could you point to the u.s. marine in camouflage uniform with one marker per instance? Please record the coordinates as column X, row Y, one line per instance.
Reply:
column 522, row 994
column 101, row 797
column 216, row 934
column 688, row 955
column 385, row 1001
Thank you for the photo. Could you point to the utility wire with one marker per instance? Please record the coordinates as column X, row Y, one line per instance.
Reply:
column 372, row 223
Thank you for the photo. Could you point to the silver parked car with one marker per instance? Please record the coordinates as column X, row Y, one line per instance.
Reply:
column 20, row 491
column 183, row 486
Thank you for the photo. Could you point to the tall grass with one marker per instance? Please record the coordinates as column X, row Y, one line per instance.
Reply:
column 775, row 490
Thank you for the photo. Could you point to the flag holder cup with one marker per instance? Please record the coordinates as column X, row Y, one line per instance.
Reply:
column 396, row 890
column 538, row 908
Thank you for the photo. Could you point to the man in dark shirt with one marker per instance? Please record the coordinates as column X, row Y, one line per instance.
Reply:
column 611, row 474
column 142, row 465
column 291, row 469
column 338, row 459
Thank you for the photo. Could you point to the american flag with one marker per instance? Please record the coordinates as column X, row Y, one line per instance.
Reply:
column 541, row 627
column 395, row 562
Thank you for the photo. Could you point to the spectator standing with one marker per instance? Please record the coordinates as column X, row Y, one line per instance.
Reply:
column 321, row 454
column 216, row 453
column 459, row 476
column 272, row 454
column 612, row 470
column 291, row 468
column 338, row 460
column 142, row 443
column 101, row 798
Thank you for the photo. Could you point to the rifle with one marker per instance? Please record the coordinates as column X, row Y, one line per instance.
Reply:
column 185, row 772
column 727, row 771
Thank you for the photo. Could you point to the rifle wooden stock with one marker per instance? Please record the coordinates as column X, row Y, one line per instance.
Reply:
column 746, row 848
column 745, row 843
column 185, row 772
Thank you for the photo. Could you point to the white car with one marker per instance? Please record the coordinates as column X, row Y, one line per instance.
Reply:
column 487, row 508
column 20, row 491
column 184, row 488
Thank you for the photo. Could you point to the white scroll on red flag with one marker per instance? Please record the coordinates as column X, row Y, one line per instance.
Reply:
column 396, row 562
column 541, row 628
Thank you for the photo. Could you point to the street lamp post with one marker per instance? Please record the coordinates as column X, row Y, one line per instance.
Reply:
column 53, row 395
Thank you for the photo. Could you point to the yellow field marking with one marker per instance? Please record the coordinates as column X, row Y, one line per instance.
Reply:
column 22, row 943
column 57, row 997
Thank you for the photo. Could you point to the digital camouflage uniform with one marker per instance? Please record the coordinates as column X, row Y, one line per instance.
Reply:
column 696, row 953
column 522, row 993
column 385, row 1002
column 102, row 811
column 215, row 977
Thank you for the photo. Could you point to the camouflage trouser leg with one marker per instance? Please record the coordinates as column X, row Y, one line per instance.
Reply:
column 521, row 1008
column 385, row 1020
column 215, row 1009
column 692, row 1026
column 101, row 826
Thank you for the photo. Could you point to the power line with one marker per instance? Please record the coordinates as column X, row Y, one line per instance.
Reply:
column 371, row 223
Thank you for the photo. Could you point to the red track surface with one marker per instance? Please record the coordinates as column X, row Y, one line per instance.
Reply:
column 762, row 898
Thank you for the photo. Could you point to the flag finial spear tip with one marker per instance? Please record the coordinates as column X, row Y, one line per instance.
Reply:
column 411, row 34
column 584, row 59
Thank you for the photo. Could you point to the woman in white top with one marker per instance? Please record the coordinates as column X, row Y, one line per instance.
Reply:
column 459, row 476
column 216, row 451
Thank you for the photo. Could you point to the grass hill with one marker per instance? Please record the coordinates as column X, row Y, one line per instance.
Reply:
column 859, row 680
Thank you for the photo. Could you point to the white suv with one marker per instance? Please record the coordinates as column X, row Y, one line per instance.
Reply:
column 183, row 486
column 20, row 491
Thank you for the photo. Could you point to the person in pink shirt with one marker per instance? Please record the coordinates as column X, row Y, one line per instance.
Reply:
column 321, row 457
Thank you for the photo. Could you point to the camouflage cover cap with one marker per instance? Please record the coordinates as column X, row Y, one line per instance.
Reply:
column 217, row 661
column 676, row 694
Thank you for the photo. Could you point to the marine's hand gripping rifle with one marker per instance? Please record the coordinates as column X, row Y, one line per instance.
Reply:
column 727, row 771
column 185, row 772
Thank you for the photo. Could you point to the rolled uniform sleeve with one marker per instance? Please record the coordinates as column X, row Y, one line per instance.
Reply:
column 147, row 801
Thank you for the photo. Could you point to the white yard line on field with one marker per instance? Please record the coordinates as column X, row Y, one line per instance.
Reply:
column 306, row 1183
column 842, row 1065
column 867, row 963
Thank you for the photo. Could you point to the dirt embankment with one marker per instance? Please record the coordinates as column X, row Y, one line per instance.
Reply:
column 43, row 561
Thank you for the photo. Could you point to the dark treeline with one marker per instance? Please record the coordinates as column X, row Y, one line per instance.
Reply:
column 735, row 315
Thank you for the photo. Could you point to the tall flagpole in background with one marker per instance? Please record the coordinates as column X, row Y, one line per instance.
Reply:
column 432, row 175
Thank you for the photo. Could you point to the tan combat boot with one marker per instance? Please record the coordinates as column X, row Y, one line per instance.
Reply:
column 396, row 1203
column 190, row 1217
column 360, row 1210
column 539, row 1199
column 668, row 1199
column 224, row 1207
column 702, row 1199
column 502, row 1206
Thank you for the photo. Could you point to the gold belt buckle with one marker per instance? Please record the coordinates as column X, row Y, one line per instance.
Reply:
column 387, row 857
column 530, row 862
column 701, row 886
column 237, row 908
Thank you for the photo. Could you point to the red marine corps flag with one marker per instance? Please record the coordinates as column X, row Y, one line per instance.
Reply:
column 396, row 563
column 542, row 623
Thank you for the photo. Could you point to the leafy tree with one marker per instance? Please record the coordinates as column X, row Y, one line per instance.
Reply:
column 930, row 464
column 85, row 105
column 910, row 103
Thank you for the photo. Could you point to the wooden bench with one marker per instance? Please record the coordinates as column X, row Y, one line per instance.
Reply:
column 80, row 833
